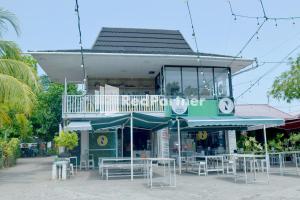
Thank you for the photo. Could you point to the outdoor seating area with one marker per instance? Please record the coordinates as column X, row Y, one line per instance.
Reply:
column 285, row 163
column 161, row 172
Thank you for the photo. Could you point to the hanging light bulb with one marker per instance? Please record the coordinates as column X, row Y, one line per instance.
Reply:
column 257, row 37
column 293, row 21
column 201, row 73
column 276, row 23
column 235, row 18
column 257, row 21
column 203, row 81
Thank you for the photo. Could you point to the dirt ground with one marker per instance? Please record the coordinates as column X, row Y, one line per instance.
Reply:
column 31, row 180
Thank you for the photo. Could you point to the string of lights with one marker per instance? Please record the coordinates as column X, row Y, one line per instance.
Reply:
column 205, row 82
column 193, row 29
column 265, row 17
column 80, row 42
column 269, row 71
column 247, row 43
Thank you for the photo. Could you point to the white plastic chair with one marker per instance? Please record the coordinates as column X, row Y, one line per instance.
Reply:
column 230, row 167
column 84, row 161
column 91, row 162
column 263, row 165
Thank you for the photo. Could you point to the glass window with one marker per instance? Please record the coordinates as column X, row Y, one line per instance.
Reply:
column 189, row 82
column 206, row 82
column 222, row 82
column 173, row 81
column 157, row 84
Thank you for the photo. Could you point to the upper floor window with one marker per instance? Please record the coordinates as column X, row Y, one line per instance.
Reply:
column 173, row 81
column 222, row 88
column 189, row 82
column 195, row 82
column 206, row 82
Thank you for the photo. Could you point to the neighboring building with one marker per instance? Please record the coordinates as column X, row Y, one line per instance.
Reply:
column 291, row 124
column 263, row 110
column 129, row 73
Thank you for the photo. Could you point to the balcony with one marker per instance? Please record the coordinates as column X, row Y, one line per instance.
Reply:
column 109, row 104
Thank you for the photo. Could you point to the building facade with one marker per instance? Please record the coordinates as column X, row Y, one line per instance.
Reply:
column 150, row 81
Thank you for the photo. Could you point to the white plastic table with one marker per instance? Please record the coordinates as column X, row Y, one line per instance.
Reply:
column 168, row 175
column 247, row 158
column 59, row 170
column 285, row 167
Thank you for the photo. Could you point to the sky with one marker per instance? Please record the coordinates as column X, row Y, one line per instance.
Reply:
column 52, row 24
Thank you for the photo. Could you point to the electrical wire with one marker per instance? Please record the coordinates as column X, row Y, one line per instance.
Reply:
column 269, row 71
column 247, row 43
column 80, row 42
column 193, row 29
column 265, row 17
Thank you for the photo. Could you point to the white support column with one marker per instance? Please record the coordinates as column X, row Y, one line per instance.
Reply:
column 117, row 144
column 265, row 140
column 179, row 145
column 231, row 141
column 131, row 145
column 84, row 142
column 122, row 141
column 266, row 151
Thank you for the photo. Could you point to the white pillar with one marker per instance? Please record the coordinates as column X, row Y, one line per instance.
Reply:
column 179, row 145
column 122, row 141
column 231, row 141
column 266, row 151
column 265, row 140
column 131, row 145
column 84, row 142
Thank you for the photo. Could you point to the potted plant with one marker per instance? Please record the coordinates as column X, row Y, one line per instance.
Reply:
column 66, row 141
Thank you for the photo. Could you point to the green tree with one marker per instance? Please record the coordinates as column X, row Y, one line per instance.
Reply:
column 286, row 86
column 18, row 81
column 48, row 113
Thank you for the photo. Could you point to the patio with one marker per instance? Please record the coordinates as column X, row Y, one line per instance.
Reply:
column 31, row 179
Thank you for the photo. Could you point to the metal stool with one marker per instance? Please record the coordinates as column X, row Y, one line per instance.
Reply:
column 202, row 168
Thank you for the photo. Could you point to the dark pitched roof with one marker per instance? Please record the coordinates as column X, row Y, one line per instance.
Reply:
column 140, row 41
column 145, row 41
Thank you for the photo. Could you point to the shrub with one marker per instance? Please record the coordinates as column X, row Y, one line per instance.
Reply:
column 67, row 139
column 294, row 141
column 249, row 144
column 10, row 151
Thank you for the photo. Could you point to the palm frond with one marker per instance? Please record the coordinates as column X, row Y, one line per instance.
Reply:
column 16, row 93
column 20, row 71
column 9, row 50
column 4, row 117
column 7, row 17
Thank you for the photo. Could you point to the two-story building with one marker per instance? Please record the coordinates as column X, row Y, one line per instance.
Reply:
column 148, row 86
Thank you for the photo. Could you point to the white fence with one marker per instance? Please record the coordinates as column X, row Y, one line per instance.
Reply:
column 112, row 103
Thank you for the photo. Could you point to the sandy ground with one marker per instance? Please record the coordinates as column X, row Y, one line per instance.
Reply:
column 30, row 180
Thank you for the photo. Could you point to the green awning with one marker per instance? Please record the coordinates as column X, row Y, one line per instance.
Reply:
column 228, row 121
column 110, row 121
column 142, row 121
column 149, row 122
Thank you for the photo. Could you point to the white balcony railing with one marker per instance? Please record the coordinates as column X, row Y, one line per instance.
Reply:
column 112, row 103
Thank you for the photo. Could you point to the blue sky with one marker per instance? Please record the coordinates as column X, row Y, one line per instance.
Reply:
column 51, row 24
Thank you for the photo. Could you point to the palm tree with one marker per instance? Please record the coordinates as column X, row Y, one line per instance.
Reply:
column 18, row 82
